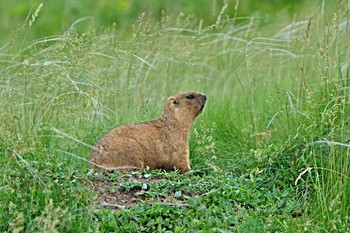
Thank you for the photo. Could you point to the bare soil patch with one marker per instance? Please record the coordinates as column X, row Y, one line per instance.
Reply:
column 125, row 193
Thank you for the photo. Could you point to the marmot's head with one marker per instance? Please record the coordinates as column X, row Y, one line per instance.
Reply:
column 185, row 107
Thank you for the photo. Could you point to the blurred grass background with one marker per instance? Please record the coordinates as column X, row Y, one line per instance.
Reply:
column 57, row 16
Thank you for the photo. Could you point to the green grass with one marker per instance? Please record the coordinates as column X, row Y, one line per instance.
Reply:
column 270, row 153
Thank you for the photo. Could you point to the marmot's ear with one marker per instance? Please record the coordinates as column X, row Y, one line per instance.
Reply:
column 174, row 101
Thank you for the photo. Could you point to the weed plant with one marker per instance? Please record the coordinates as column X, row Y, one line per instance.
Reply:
column 270, row 153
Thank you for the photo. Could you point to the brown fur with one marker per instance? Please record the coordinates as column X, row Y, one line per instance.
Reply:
column 157, row 144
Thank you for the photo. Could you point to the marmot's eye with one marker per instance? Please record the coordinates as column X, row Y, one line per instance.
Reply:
column 190, row 97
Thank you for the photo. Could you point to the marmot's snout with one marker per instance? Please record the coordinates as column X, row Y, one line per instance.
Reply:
column 204, row 99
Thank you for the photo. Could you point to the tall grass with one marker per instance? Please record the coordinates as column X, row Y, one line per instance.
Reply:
column 278, row 106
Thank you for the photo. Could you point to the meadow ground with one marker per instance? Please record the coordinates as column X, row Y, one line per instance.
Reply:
column 270, row 153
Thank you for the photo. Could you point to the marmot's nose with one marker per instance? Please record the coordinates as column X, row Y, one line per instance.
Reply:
column 204, row 97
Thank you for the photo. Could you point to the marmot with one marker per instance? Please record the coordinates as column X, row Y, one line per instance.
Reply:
column 157, row 144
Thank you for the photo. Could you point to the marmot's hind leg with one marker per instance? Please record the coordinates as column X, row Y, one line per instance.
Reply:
column 124, row 155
